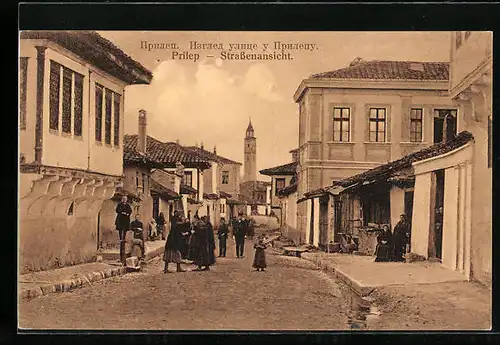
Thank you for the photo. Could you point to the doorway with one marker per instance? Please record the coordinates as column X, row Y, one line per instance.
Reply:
column 311, row 225
column 338, row 220
column 437, row 217
column 409, row 211
column 323, row 222
column 445, row 124
column 156, row 207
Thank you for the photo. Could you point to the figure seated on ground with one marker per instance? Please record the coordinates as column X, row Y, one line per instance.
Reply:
column 347, row 244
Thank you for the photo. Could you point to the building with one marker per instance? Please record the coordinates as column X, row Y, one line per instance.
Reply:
column 288, row 208
column 221, row 182
column 281, row 176
column 71, row 142
column 178, row 159
column 255, row 198
column 369, row 113
column 250, row 150
column 445, row 189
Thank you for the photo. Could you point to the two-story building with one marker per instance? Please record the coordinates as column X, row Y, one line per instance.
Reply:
column 221, row 183
column 71, row 141
column 356, row 118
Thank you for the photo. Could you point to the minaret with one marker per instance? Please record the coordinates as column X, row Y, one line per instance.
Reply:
column 250, row 172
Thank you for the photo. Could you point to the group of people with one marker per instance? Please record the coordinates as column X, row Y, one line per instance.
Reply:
column 189, row 240
column 391, row 246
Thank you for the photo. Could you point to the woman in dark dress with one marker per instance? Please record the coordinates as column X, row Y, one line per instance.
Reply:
column 384, row 245
column 173, row 245
column 259, row 260
column 204, row 245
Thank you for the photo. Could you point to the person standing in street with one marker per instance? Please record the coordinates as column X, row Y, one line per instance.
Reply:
column 160, row 223
column 205, row 246
column 239, row 230
column 174, row 243
column 137, row 228
column 401, row 238
column 259, row 260
column 222, row 233
column 122, row 223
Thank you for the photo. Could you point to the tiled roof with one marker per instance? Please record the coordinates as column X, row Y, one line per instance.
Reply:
column 397, row 70
column 256, row 185
column 398, row 169
column 132, row 156
column 210, row 196
column 210, row 156
column 163, row 191
column 224, row 195
column 285, row 169
column 167, row 154
column 185, row 189
column 99, row 51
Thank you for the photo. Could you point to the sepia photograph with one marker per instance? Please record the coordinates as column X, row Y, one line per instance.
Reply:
column 255, row 180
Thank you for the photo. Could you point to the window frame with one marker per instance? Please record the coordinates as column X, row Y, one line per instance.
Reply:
column 225, row 174
column 377, row 120
column 342, row 120
column 184, row 178
column 276, row 180
column 23, row 91
column 420, row 121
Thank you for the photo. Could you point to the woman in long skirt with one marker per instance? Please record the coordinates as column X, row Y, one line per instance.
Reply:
column 204, row 246
column 173, row 245
column 384, row 245
column 259, row 260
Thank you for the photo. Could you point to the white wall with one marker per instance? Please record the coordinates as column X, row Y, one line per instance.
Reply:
column 316, row 222
column 421, row 214
column 397, row 204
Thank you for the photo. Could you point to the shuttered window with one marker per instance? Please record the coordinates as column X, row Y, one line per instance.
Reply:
column 55, row 70
column 107, row 117
column 78, row 105
column 98, row 112
column 66, row 100
column 23, row 81
column 116, row 123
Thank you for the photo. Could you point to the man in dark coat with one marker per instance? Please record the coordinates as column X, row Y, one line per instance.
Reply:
column 122, row 223
column 222, row 233
column 204, row 255
column 401, row 238
column 239, row 231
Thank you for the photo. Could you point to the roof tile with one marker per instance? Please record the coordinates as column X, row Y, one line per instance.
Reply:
column 285, row 169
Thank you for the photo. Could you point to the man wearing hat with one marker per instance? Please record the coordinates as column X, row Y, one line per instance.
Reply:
column 401, row 238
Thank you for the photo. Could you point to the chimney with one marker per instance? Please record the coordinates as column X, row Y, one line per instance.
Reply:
column 215, row 150
column 196, row 144
column 295, row 155
column 141, row 140
column 177, row 141
column 201, row 146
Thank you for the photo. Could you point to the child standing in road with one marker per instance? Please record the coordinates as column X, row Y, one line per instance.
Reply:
column 259, row 260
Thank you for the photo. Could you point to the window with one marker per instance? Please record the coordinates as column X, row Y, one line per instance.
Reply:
column 78, row 106
column 377, row 125
column 107, row 117
column 416, row 125
column 99, row 90
column 144, row 178
column 23, row 80
column 137, row 179
column 225, row 177
column 280, row 184
column 65, row 99
column 116, row 123
column 341, row 124
column 108, row 102
column 188, row 178
column 445, row 124
column 458, row 39
column 55, row 71
column 71, row 209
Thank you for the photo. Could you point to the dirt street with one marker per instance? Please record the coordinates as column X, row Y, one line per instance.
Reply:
column 291, row 295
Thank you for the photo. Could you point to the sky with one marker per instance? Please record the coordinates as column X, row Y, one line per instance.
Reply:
column 211, row 100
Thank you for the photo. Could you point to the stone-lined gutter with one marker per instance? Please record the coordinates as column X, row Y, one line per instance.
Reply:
column 357, row 287
column 71, row 284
